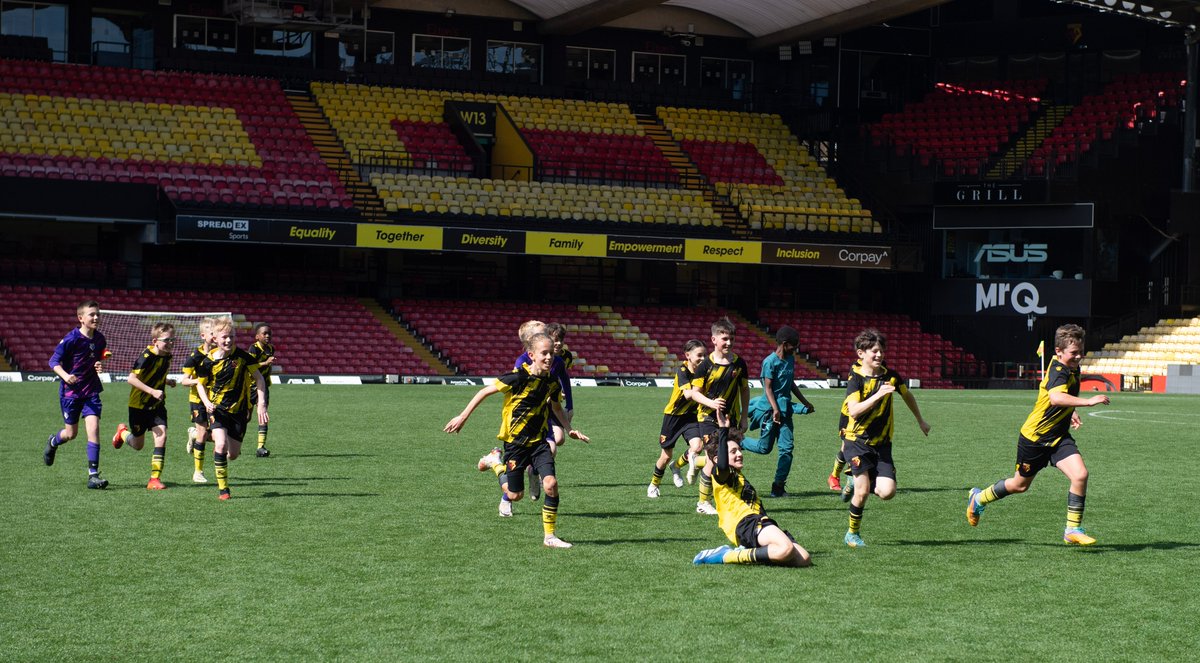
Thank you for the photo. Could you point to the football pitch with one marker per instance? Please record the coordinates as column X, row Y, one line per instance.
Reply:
column 369, row 535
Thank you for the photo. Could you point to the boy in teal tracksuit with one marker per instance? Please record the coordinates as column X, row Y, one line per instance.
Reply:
column 772, row 412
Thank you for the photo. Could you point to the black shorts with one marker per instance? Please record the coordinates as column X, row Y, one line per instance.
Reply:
column 234, row 425
column 675, row 426
column 199, row 414
column 141, row 420
column 748, row 528
column 873, row 461
column 517, row 457
column 1032, row 457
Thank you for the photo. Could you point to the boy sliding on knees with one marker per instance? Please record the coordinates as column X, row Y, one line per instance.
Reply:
column 1045, row 439
column 779, row 383
column 77, row 362
column 147, row 400
column 867, row 435
column 724, row 379
column 530, row 394
column 679, row 419
column 198, row 433
column 225, row 376
column 758, row 538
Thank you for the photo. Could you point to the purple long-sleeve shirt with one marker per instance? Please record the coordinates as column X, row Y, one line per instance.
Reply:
column 78, row 354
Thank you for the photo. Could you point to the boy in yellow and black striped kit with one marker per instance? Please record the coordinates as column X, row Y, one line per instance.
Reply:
column 147, row 401
column 1045, row 438
column 530, row 394
column 263, row 352
column 226, row 376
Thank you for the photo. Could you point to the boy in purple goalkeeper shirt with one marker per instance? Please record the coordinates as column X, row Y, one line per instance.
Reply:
column 77, row 362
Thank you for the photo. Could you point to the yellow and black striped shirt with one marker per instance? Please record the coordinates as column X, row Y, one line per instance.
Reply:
column 735, row 499
column 151, row 369
column 189, row 369
column 229, row 380
column 261, row 352
column 525, row 415
column 1048, row 424
column 723, row 381
column 685, row 379
column 873, row 427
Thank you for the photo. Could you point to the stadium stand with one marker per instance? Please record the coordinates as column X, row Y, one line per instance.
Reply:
column 756, row 161
column 959, row 128
column 210, row 141
column 828, row 337
column 313, row 334
column 1121, row 104
column 595, row 163
column 1149, row 352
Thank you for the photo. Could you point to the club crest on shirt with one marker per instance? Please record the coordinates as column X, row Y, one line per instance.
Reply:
column 856, row 461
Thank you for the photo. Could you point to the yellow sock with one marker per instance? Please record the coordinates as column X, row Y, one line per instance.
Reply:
column 838, row 466
column 705, row 488
column 156, row 461
column 745, row 556
column 198, row 455
column 701, row 460
column 222, row 467
column 499, row 468
column 549, row 515
column 262, row 439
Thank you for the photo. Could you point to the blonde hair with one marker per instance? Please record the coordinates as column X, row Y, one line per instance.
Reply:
column 221, row 323
column 528, row 329
column 206, row 323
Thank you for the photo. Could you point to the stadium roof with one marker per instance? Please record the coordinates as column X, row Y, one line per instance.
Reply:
column 766, row 23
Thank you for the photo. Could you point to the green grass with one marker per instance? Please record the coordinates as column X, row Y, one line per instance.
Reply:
column 369, row 535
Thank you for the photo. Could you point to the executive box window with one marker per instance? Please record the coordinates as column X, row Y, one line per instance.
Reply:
column 201, row 33
column 283, row 44
column 372, row 46
column 591, row 64
column 37, row 19
column 726, row 73
column 433, row 52
column 659, row 68
column 516, row 58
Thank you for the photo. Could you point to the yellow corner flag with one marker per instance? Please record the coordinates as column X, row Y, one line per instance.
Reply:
column 1041, row 351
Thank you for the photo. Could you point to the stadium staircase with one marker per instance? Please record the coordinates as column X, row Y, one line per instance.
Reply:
column 690, row 176
column 1033, row 138
column 365, row 198
column 621, row 328
column 405, row 337
column 801, row 360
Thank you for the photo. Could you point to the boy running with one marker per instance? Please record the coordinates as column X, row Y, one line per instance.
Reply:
column 679, row 418
column 263, row 351
column 226, row 375
column 530, row 394
column 77, row 362
column 867, row 435
column 147, row 401
column 1045, row 439
column 198, row 434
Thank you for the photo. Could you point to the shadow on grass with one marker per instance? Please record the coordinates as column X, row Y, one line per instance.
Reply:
column 964, row 542
column 1128, row 547
column 282, row 481
column 606, row 485
column 654, row 539
column 273, row 495
column 329, row 455
column 624, row 514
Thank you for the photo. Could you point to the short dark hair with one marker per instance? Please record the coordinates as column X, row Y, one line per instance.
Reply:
column 787, row 334
column 867, row 339
column 1068, row 334
column 556, row 330
column 258, row 327
column 692, row 345
column 91, row 303
column 723, row 326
